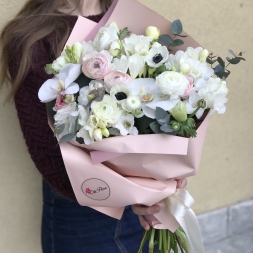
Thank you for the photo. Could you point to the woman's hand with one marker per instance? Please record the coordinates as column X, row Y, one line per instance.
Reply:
column 141, row 210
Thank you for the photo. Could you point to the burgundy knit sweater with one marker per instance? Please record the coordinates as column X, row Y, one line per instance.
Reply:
column 41, row 143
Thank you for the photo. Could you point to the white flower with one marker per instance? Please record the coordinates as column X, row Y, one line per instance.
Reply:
column 153, row 32
column 62, row 83
column 174, row 60
column 104, row 37
column 98, row 134
column 82, row 115
column 137, row 44
column 59, row 62
column 131, row 104
column 192, row 53
column 136, row 65
column 87, row 47
column 203, row 55
column 120, row 92
column 114, row 49
column 157, row 56
column 120, row 64
column 87, row 136
column 146, row 94
column 199, row 70
column 92, row 122
column 107, row 109
column 125, row 124
column 83, row 95
column 67, row 116
column 172, row 83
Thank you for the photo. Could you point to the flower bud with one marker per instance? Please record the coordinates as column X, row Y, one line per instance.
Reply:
column 203, row 55
column 202, row 103
column 93, row 122
column 153, row 32
column 68, row 99
column 77, row 50
column 173, row 69
column 113, row 24
column 91, row 97
column 114, row 49
column 102, row 123
column 185, row 68
column 97, row 134
column 175, row 126
column 105, row 132
column 178, row 112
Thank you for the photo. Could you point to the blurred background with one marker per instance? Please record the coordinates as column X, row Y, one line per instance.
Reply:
column 223, row 188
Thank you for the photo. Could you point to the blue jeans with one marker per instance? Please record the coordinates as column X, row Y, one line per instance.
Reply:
column 68, row 227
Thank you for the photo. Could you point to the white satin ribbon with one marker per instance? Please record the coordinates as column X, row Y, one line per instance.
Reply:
column 176, row 211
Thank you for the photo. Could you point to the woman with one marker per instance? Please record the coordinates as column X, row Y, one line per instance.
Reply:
column 34, row 38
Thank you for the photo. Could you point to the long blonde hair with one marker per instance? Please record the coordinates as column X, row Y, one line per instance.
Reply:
column 36, row 20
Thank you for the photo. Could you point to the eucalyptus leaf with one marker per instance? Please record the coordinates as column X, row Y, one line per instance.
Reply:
column 59, row 129
column 155, row 127
column 167, row 129
column 221, row 62
column 231, row 52
column 228, row 59
column 165, row 39
column 99, row 98
column 223, row 74
column 209, row 61
column 95, row 91
column 236, row 60
column 218, row 68
column 177, row 43
column 67, row 137
column 176, row 27
column 160, row 113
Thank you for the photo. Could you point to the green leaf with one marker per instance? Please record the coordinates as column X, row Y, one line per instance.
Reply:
column 165, row 39
column 218, row 68
column 176, row 27
column 177, row 43
column 209, row 61
column 142, row 124
column 165, row 121
column 124, row 33
column 83, row 81
column 182, row 36
column 59, row 129
column 223, row 74
column 236, row 60
column 67, row 137
column 221, row 62
column 155, row 127
column 160, row 69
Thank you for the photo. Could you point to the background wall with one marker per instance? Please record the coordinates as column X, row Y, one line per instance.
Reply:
column 226, row 170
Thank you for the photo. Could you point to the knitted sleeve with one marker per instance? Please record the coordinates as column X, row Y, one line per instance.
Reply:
column 41, row 143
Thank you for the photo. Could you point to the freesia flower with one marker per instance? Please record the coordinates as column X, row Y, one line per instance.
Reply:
column 62, row 83
column 96, row 65
column 136, row 65
column 67, row 116
column 116, row 77
column 104, row 37
column 120, row 64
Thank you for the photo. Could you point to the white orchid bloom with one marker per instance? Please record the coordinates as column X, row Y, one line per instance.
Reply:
column 62, row 83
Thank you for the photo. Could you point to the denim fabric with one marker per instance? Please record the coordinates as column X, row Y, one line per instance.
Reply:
column 70, row 228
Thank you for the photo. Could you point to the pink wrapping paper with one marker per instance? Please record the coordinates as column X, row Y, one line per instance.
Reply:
column 128, row 170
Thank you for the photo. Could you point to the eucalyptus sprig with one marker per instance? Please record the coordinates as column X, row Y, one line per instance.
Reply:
column 176, row 29
column 220, row 69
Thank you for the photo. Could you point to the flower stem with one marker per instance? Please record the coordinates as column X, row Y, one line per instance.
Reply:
column 165, row 243
column 179, row 243
column 151, row 241
column 142, row 241
column 191, row 115
column 160, row 240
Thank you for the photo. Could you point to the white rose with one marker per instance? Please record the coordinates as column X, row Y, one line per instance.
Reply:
column 107, row 109
column 104, row 37
column 172, row 83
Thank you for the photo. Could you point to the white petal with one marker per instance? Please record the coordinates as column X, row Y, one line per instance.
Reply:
column 134, row 131
column 72, row 89
column 46, row 94
column 150, row 113
column 165, row 105
column 138, row 83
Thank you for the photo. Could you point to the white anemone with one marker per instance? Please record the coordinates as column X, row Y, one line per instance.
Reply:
column 157, row 56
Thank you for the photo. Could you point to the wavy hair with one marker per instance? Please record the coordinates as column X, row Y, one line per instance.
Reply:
column 36, row 20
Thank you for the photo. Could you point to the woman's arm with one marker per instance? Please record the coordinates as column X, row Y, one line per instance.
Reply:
column 41, row 143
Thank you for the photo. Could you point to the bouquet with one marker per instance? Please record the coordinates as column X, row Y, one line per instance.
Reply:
column 130, row 110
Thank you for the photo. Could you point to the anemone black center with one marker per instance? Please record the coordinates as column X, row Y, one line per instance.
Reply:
column 157, row 58
column 120, row 96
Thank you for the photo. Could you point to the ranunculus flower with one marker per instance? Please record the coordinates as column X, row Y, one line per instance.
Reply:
column 188, row 88
column 172, row 83
column 116, row 77
column 96, row 64
column 107, row 109
column 104, row 37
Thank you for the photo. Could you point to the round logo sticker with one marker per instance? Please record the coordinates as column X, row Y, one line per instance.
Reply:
column 96, row 189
